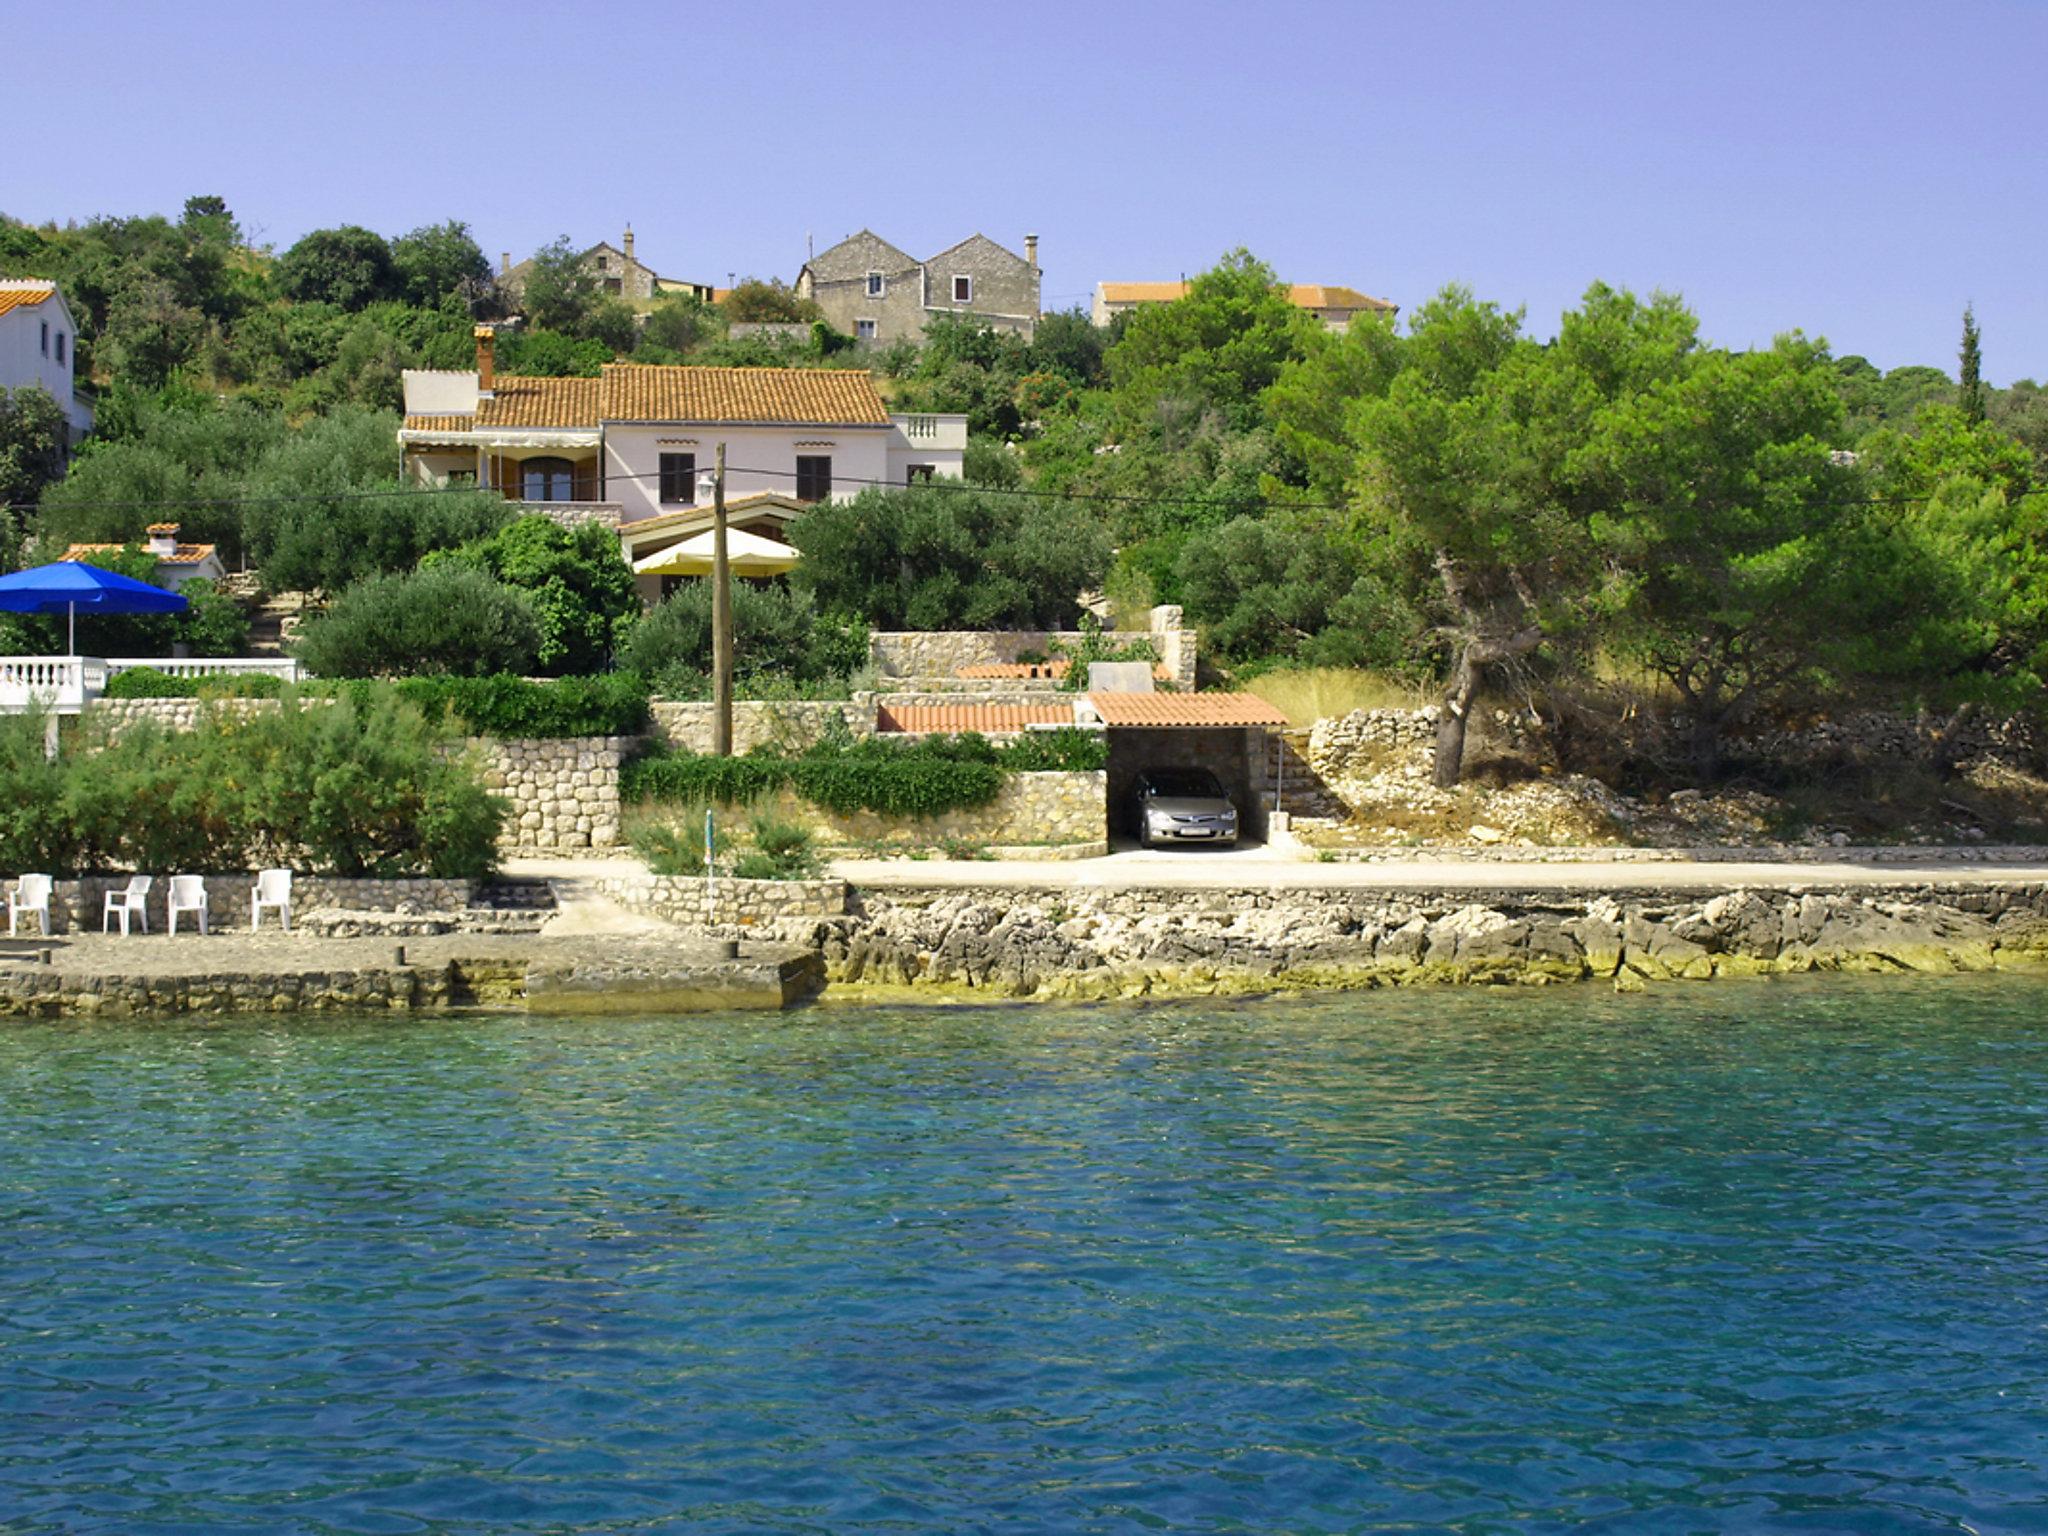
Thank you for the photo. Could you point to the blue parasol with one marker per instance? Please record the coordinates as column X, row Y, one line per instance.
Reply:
column 67, row 586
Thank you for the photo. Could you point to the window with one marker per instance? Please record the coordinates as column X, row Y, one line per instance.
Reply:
column 875, row 285
column 963, row 289
column 813, row 477
column 461, row 477
column 548, row 480
column 913, row 473
column 864, row 330
column 604, row 263
column 679, row 479
column 60, row 346
column 46, row 338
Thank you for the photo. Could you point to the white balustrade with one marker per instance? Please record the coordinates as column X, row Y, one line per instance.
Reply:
column 283, row 667
column 66, row 684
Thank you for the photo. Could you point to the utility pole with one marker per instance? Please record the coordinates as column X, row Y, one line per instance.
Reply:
column 721, row 620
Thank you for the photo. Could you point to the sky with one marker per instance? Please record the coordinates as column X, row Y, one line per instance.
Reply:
column 1856, row 171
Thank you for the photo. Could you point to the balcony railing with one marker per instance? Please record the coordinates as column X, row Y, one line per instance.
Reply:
column 929, row 430
column 64, row 685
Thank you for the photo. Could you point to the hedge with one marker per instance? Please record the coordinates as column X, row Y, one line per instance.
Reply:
column 148, row 683
column 922, row 777
column 613, row 704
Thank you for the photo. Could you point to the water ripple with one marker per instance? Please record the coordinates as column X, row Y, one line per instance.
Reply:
column 1739, row 1258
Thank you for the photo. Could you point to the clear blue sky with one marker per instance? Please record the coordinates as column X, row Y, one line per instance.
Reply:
column 1857, row 170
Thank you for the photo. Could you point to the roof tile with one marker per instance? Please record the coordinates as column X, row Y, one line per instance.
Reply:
column 810, row 396
column 985, row 718
column 1169, row 710
column 521, row 401
column 17, row 298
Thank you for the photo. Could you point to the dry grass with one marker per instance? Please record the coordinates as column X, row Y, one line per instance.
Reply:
column 1310, row 694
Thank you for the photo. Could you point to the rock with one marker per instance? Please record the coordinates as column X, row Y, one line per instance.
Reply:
column 1485, row 834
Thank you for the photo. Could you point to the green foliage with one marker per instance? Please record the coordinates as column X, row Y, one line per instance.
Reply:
column 1094, row 646
column 551, row 355
column 347, row 267
column 1066, row 750
column 1969, row 376
column 450, row 619
column 355, row 786
column 768, row 302
column 1218, row 349
column 149, row 683
column 614, row 704
column 32, row 438
column 559, row 292
column 778, row 636
column 681, row 322
column 438, row 262
column 580, row 588
column 891, row 778
column 782, row 851
column 669, row 847
column 947, row 557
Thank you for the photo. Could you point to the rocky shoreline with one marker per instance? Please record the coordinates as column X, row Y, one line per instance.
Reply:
column 1127, row 943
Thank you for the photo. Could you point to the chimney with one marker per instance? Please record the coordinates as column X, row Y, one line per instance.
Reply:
column 486, row 374
column 1031, row 252
column 504, row 263
column 163, row 540
column 629, row 242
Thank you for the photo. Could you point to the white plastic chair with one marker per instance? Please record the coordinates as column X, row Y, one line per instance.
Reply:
column 273, row 889
column 131, row 901
column 31, row 894
column 188, row 894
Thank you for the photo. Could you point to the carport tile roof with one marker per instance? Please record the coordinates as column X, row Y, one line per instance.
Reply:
column 986, row 718
column 1185, row 710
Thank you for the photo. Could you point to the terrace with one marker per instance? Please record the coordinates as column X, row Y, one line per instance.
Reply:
column 64, row 685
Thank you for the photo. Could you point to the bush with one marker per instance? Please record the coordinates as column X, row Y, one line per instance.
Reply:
column 1066, row 750
column 149, row 683
column 669, row 848
column 950, row 557
column 891, row 778
column 781, row 848
column 580, row 588
column 352, row 786
column 445, row 619
column 780, row 642
column 612, row 705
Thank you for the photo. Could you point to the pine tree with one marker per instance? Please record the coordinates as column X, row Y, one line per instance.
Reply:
column 1970, row 390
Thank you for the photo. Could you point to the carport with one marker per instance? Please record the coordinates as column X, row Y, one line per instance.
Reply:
column 1223, row 732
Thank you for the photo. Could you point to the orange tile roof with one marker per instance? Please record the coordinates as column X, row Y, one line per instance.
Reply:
column 812, row 396
column 522, row 401
column 440, row 423
column 1167, row 710
column 1014, row 669
column 985, row 718
column 187, row 554
column 1301, row 295
column 17, row 298
column 1332, row 296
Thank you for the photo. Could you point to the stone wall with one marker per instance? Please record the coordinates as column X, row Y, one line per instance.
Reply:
column 1067, row 942
column 117, row 715
column 1030, row 810
column 940, row 654
column 789, row 724
column 693, row 901
column 564, row 792
column 79, row 906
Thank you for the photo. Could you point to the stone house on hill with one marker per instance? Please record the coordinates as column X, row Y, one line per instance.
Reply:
column 879, row 293
column 617, row 271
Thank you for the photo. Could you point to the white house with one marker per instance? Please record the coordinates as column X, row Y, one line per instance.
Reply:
column 627, row 448
column 38, row 345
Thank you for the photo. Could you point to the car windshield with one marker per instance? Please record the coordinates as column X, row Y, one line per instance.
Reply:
column 1193, row 783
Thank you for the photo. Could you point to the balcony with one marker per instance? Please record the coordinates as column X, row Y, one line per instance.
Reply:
column 64, row 685
column 931, row 432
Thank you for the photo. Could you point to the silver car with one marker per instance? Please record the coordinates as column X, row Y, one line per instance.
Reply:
column 1183, row 805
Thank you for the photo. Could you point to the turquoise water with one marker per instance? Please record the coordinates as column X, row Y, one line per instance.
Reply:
column 1739, row 1257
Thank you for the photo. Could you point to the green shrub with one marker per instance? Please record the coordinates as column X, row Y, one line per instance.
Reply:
column 149, row 683
column 786, row 845
column 669, row 848
column 1066, row 750
column 614, row 704
column 444, row 619
column 891, row 778
column 352, row 786
column 780, row 643
column 690, row 778
column 580, row 588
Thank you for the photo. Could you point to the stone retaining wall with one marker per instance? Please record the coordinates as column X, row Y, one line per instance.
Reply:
column 79, row 906
column 1049, row 809
column 1083, row 943
column 790, row 724
column 693, row 901
column 940, row 654
column 564, row 792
